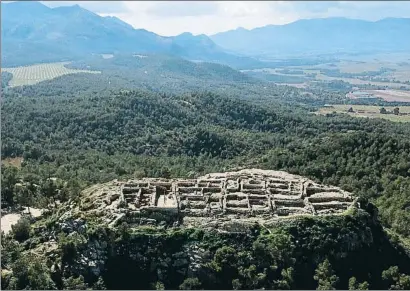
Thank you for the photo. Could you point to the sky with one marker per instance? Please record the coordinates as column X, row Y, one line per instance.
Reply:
column 170, row 18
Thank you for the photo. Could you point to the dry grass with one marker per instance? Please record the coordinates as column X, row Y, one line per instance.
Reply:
column 8, row 220
column 30, row 75
column 13, row 162
column 391, row 95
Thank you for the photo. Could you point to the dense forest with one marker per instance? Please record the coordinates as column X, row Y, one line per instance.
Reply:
column 82, row 130
column 172, row 75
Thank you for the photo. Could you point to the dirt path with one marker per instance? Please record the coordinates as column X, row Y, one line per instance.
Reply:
column 10, row 219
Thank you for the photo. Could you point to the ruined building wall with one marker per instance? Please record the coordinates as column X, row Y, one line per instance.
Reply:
column 242, row 194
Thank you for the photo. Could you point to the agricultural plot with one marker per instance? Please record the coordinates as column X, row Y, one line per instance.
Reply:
column 386, row 95
column 309, row 74
column 353, row 81
column 30, row 75
column 386, row 71
column 369, row 112
column 392, row 95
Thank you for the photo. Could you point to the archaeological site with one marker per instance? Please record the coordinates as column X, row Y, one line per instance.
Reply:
column 246, row 195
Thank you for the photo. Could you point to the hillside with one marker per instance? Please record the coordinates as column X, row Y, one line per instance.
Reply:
column 95, row 136
column 68, row 142
column 139, row 162
column 74, row 247
column 319, row 36
column 163, row 74
column 71, row 32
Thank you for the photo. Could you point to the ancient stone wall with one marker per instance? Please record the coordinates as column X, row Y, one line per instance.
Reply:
column 242, row 194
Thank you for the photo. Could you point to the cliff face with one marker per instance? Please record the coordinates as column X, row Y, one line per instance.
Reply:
column 148, row 233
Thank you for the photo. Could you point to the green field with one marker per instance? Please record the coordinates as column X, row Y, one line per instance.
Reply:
column 381, row 71
column 30, row 75
column 368, row 111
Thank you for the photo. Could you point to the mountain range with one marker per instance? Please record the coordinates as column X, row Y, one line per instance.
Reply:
column 32, row 33
column 54, row 34
column 319, row 36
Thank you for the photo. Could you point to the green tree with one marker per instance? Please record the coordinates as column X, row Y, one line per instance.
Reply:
column 72, row 283
column 8, row 181
column 21, row 230
column 99, row 285
column 395, row 279
column 30, row 272
column 325, row 276
column 69, row 246
column 354, row 285
column 236, row 284
column 274, row 251
column 224, row 264
column 49, row 190
column 286, row 282
column 190, row 284
column 24, row 196
column 253, row 279
column 10, row 251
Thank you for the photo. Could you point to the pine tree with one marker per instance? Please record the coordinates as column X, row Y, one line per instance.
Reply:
column 325, row 276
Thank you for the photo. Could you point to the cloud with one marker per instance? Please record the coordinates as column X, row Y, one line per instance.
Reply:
column 182, row 9
column 303, row 7
column 366, row 10
column 210, row 17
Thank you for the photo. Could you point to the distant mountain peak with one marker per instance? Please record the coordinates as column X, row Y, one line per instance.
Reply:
column 73, row 9
column 118, row 21
column 81, row 32
column 185, row 34
column 333, row 35
column 24, row 4
column 25, row 7
column 240, row 28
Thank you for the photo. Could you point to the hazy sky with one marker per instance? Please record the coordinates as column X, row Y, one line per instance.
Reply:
column 209, row 17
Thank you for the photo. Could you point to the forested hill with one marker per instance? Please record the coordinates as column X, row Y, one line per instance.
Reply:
column 99, row 135
column 150, row 112
column 168, row 74
column 151, row 66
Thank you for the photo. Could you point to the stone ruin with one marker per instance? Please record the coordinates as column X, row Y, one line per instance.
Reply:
column 245, row 194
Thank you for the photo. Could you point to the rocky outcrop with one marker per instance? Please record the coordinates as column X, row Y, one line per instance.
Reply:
column 242, row 196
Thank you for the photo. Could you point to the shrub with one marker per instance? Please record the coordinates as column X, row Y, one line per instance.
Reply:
column 190, row 284
column 21, row 230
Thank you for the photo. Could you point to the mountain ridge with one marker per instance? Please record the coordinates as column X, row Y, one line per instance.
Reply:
column 70, row 32
column 318, row 35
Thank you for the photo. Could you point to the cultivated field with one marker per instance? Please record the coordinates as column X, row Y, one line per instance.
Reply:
column 353, row 81
column 30, row 75
column 368, row 111
column 387, row 71
column 391, row 95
